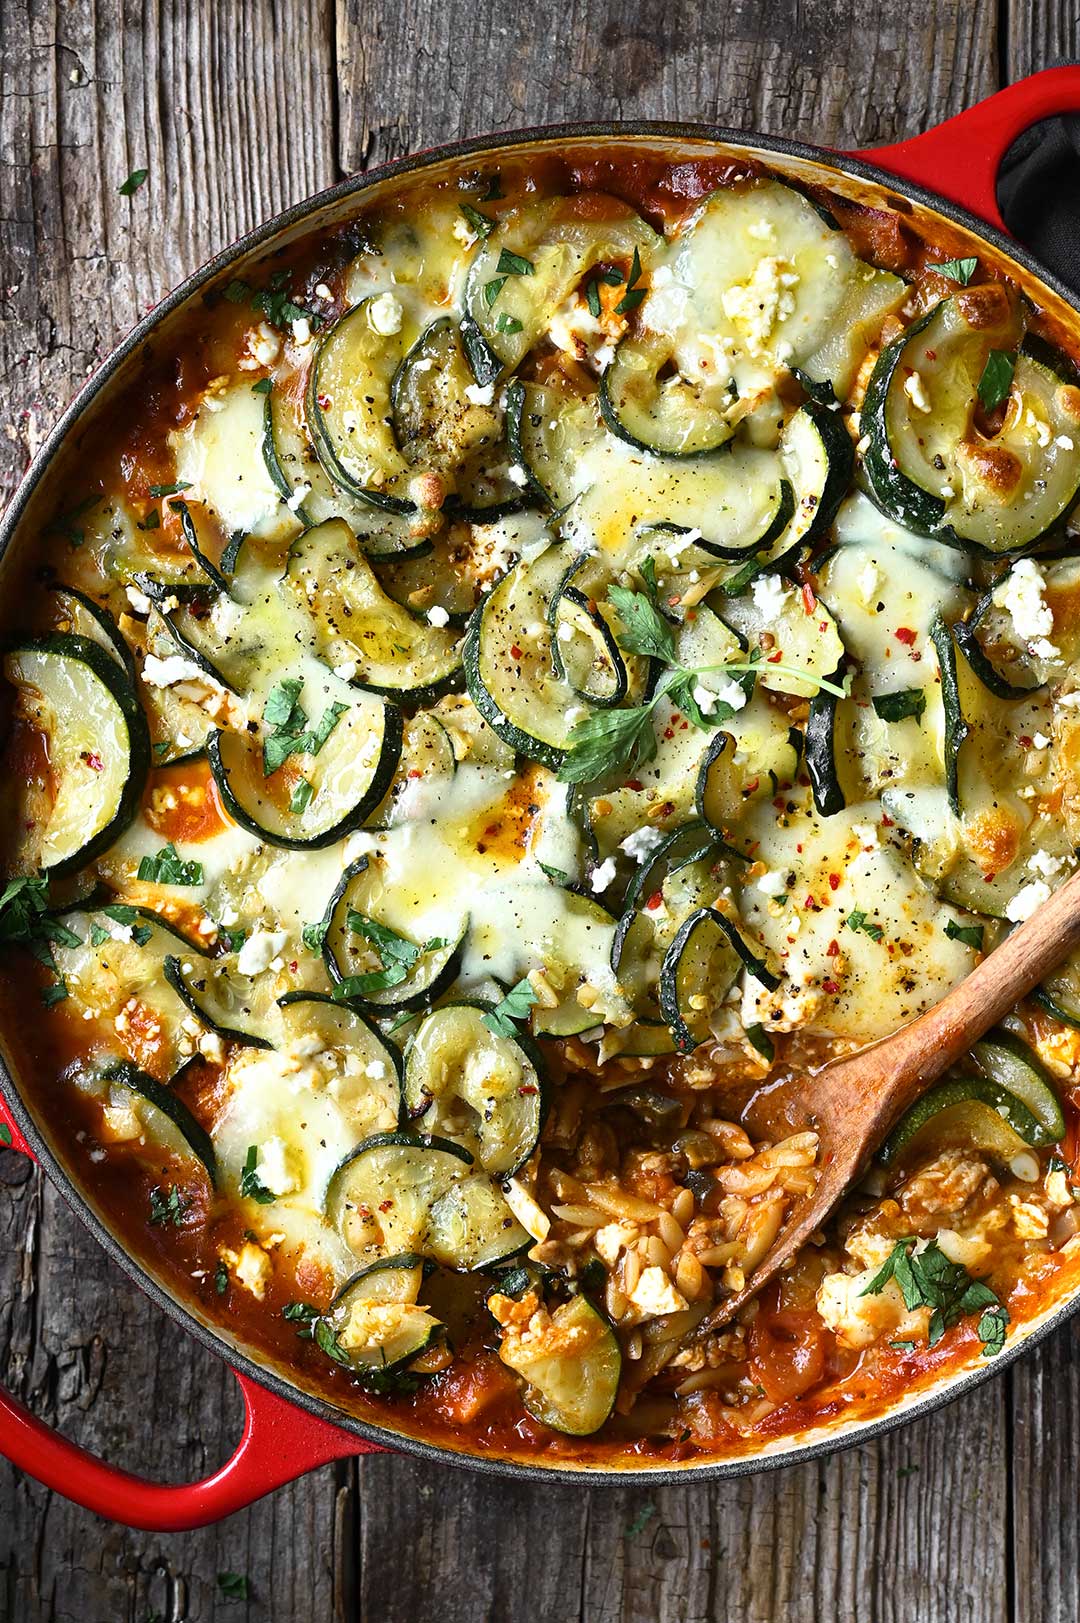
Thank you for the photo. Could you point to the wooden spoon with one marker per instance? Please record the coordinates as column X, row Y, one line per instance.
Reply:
column 852, row 1102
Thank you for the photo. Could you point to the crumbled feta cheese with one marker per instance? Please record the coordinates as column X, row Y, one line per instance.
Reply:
column 1041, row 862
column 1063, row 442
column 601, row 876
column 253, row 1269
column 1021, row 595
column 163, row 673
column 322, row 291
column 346, row 670
column 139, row 600
column 517, row 474
column 762, row 230
column 641, row 844
column 437, row 616
column 769, row 594
column 610, row 1240
column 1040, row 741
column 385, row 315
column 868, row 582
column 259, row 950
column 226, row 615
column 916, row 393
column 754, row 307
column 654, row 1294
column 772, row 884
column 272, row 1168
column 301, row 330
column 604, row 356
column 480, row 394
column 1024, row 903
column 264, row 344
column 462, row 232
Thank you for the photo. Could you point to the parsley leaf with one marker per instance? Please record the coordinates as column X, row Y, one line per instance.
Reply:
column 859, row 921
column 759, row 1038
column 301, row 1314
column 482, row 224
column 645, row 631
column 152, row 521
column 391, row 947
column 174, row 489
column 287, row 723
column 895, row 706
column 640, row 1521
column 263, row 386
column 64, row 523
column 301, row 795
column 313, row 935
column 634, row 294
column 592, row 299
column 272, row 301
column 327, row 1342
column 24, row 919
column 607, row 741
column 221, row 1279
column 997, row 376
column 397, row 955
column 970, row 934
column 927, row 1278
column 992, row 1329
column 492, row 290
column 168, row 868
column 507, row 323
column 557, row 875
column 511, row 264
column 133, row 182
column 250, row 1186
column 514, row 1006
column 233, row 1586
column 170, row 1208
column 957, row 270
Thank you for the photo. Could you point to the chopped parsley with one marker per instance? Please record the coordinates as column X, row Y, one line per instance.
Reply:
column 301, row 795
column 263, row 386
column 513, row 1007
column 997, row 376
column 482, row 224
column 131, row 185
column 970, row 934
column 927, row 1278
column 301, row 1314
column 175, row 489
column 556, row 875
column 634, row 294
column 397, row 955
column 507, row 323
column 250, row 1186
column 272, row 301
column 287, row 727
column 65, row 523
column 860, row 921
column 897, row 706
column 168, row 1208
column 492, row 290
column 313, row 935
column 152, row 521
column 511, row 264
column 221, row 1279
column 957, row 270
column 24, row 919
column 169, row 868
column 759, row 1038
column 327, row 1342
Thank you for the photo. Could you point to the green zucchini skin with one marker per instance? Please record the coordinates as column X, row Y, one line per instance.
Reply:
column 170, row 1105
column 175, row 977
column 106, row 625
column 956, row 728
column 397, row 998
column 820, row 747
column 893, row 492
column 67, row 645
column 965, row 635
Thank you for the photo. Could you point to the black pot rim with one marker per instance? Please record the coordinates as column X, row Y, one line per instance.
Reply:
column 790, row 1453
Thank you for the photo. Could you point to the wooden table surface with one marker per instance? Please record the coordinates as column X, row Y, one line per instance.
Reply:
column 238, row 108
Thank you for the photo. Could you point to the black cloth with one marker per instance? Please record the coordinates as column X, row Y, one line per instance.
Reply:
column 1039, row 194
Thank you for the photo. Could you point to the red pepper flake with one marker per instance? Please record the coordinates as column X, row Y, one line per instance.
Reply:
column 93, row 761
column 774, row 659
column 810, row 902
column 325, row 402
column 931, row 355
column 778, row 804
column 528, row 1087
column 809, row 600
column 414, row 772
column 635, row 784
column 905, row 635
column 1027, row 742
column 834, row 881
column 832, row 987
column 684, row 725
column 669, row 732
column 833, row 949
column 515, row 651
column 750, row 787
column 385, row 1205
column 886, row 822
column 655, row 900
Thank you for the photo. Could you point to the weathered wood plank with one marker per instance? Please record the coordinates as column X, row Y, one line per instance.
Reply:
column 1037, row 36
column 1046, row 1481
column 87, row 94
column 422, row 71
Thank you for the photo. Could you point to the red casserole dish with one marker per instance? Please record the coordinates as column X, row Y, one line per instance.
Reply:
column 950, row 171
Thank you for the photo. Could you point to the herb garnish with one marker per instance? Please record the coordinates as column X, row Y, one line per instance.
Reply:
column 64, row 523
column 859, row 921
column 970, row 934
column 263, row 386
column 152, row 521
column 507, row 323
column 272, row 301
column 634, row 294
column 511, row 264
column 957, row 270
column 169, row 868
column 300, row 1314
column 301, row 795
column 927, row 1278
column 250, row 1185
column 397, row 955
column 897, row 706
column 133, row 182
column 327, row 1342
column 997, row 377
column 482, row 224
column 175, row 489
column 640, row 1521
column 313, row 935
column 514, row 1006
column 170, row 1208
column 556, row 875
column 24, row 919
column 221, row 1279
column 287, row 723
column 610, row 278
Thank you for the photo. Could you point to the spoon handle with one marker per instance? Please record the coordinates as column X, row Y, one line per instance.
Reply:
column 920, row 1052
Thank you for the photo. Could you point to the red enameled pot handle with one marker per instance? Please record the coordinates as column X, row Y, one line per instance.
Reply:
column 279, row 1442
column 960, row 159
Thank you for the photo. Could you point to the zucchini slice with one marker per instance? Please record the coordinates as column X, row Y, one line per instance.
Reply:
column 737, row 772
column 647, row 402
column 970, row 1112
column 347, row 778
column 522, row 272
column 427, row 751
column 464, row 1081
column 509, row 663
column 311, row 1016
column 989, row 628
column 80, row 698
column 375, row 1322
column 932, row 462
column 570, row 1362
column 349, row 411
column 165, row 1099
column 439, row 427
column 1009, row 1062
column 1059, row 994
column 407, row 1192
column 437, row 579
column 702, row 964
column 388, row 649
column 79, row 614
column 585, row 651
column 232, row 1006
column 364, row 899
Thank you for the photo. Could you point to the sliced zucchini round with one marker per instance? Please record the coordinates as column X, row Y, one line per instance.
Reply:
column 1009, row 1062
column 464, row 1081
column 700, row 967
column 407, row 1192
column 819, row 460
column 80, row 698
column 647, row 402
column 935, row 465
column 438, row 427
column 232, row 1006
column 522, row 272
column 732, row 778
column 1059, row 994
column 585, row 652
column 571, row 1363
column 168, row 1101
column 349, row 412
column 341, row 1028
column 375, row 1322
column 390, row 650
column 436, row 579
column 970, row 1112
column 971, row 638
column 363, row 905
column 80, row 614
column 348, row 777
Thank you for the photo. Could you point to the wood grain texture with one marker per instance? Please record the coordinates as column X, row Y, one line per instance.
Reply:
column 237, row 111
